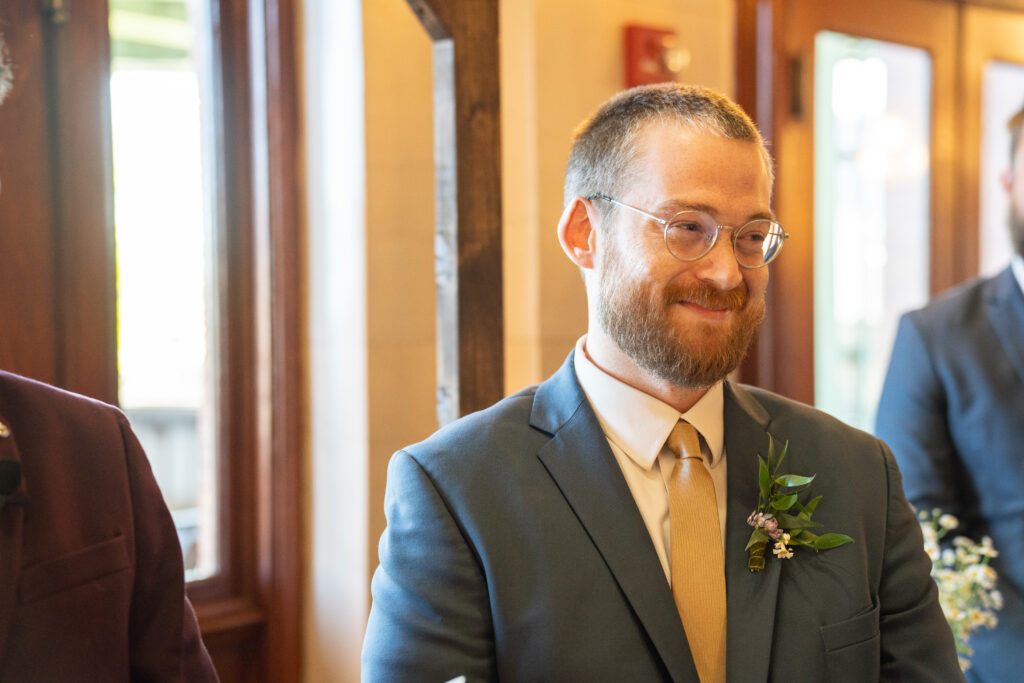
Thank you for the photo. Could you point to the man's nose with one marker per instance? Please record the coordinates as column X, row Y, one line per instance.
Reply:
column 719, row 266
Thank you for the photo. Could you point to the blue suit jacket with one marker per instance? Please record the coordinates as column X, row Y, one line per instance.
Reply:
column 952, row 409
column 514, row 551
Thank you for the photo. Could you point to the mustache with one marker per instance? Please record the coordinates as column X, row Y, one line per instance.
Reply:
column 708, row 296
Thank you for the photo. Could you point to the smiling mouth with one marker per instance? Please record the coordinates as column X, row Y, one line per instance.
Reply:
column 708, row 300
column 716, row 311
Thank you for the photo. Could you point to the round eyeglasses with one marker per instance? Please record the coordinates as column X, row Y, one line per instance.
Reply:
column 689, row 235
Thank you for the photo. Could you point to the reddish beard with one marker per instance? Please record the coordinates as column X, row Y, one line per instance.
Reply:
column 638, row 319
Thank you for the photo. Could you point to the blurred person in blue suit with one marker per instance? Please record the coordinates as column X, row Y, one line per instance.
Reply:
column 952, row 410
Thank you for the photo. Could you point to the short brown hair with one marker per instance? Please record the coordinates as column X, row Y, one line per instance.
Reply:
column 603, row 145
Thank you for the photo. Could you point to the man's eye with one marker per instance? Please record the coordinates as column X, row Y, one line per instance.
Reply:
column 688, row 226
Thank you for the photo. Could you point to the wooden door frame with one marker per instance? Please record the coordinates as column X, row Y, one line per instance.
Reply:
column 467, row 168
column 257, row 600
column 771, row 77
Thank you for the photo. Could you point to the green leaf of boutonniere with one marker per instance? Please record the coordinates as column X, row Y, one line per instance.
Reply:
column 826, row 541
column 772, row 519
column 764, row 478
column 783, row 502
column 792, row 480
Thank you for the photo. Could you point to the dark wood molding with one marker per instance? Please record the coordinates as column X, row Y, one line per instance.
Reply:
column 467, row 142
column 755, row 77
column 83, row 199
column 1010, row 5
column 256, row 597
column 28, row 295
column 281, row 265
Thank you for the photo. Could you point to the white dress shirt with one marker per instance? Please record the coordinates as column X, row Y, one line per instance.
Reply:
column 636, row 426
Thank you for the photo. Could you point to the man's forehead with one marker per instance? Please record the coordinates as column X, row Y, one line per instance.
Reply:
column 676, row 147
column 683, row 140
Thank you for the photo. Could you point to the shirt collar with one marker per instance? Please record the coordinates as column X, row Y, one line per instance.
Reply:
column 637, row 422
column 1017, row 264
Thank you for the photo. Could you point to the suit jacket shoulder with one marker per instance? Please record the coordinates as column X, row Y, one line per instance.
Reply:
column 91, row 558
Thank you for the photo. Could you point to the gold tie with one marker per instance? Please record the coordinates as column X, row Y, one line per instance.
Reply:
column 698, row 570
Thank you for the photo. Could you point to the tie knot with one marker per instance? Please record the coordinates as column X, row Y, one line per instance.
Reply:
column 683, row 441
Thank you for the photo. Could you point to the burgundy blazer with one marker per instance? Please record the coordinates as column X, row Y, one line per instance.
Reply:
column 91, row 578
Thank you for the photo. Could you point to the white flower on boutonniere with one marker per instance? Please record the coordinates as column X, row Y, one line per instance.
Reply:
column 773, row 518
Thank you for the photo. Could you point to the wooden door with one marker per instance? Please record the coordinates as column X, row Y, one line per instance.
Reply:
column 785, row 357
column 975, row 53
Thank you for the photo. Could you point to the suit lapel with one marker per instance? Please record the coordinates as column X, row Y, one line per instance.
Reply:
column 10, row 542
column 581, row 463
column 751, row 596
column 1004, row 304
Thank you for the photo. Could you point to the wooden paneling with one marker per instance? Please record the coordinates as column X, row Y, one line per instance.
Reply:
column 255, row 600
column 281, row 241
column 56, row 221
column 28, row 340
column 756, row 38
column 83, row 198
column 468, row 202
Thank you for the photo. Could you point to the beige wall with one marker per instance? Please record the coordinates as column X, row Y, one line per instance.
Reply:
column 400, row 239
column 371, row 238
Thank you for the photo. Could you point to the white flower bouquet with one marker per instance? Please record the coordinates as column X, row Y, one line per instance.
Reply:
column 967, row 584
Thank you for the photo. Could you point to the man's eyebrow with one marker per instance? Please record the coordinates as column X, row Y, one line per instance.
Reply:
column 674, row 206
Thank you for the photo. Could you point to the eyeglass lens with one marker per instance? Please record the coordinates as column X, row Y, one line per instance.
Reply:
column 690, row 235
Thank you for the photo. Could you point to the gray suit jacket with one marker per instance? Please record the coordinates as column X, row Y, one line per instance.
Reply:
column 514, row 551
column 952, row 409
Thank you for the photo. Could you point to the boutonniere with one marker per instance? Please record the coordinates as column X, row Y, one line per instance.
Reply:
column 774, row 520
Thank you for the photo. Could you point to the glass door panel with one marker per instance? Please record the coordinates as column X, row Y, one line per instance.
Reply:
column 872, row 130
column 1002, row 95
column 165, row 284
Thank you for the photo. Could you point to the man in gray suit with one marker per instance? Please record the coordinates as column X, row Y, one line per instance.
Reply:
column 952, row 408
column 543, row 538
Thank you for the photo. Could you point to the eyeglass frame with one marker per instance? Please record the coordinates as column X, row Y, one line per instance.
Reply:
column 665, row 223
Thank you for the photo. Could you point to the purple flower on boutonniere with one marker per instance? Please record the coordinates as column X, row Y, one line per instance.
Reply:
column 773, row 518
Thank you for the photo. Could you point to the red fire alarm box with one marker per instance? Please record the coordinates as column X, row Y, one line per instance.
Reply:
column 652, row 55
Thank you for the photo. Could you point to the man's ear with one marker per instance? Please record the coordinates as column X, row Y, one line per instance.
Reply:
column 576, row 232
